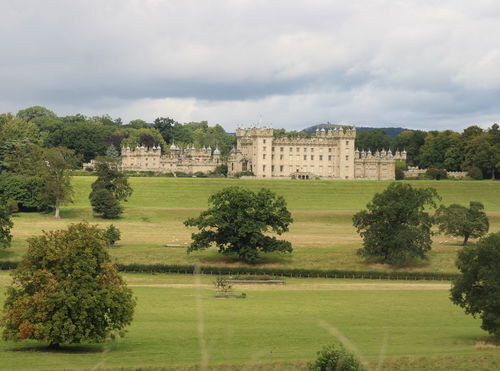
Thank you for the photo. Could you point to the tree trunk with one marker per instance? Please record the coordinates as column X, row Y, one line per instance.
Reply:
column 493, row 174
column 58, row 207
column 465, row 239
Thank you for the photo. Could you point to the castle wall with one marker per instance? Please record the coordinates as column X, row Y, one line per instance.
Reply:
column 326, row 155
column 188, row 161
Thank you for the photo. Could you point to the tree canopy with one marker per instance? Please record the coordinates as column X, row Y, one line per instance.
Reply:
column 110, row 187
column 477, row 289
column 460, row 221
column 395, row 228
column 5, row 225
column 237, row 220
column 66, row 290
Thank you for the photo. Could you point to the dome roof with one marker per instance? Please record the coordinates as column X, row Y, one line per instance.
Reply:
column 216, row 152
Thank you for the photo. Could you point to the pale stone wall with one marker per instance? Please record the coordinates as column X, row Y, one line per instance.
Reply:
column 326, row 155
column 189, row 160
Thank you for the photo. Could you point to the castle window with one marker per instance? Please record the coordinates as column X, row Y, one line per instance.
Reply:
column 347, row 142
column 312, row 157
column 264, row 156
column 291, row 149
column 329, row 158
column 264, row 141
column 347, row 158
column 298, row 149
column 312, row 149
column 321, row 157
column 281, row 168
column 272, row 168
column 330, row 150
column 281, row 149
column 281, row 157
column 272, row 157
column 305, row 149
column 321, row 150
column 264, row 148
column 330, row 169
column 272, row 149
column 291, row 157
column 305, row 157
column 263, row 167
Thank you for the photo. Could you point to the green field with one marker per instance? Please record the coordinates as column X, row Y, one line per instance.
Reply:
column 279, row 327
column 322, row 234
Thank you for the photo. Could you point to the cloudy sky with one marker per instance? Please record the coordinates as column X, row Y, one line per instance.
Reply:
column 289, row 63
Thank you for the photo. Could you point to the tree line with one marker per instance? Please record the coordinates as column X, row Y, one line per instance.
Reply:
column 475, row 150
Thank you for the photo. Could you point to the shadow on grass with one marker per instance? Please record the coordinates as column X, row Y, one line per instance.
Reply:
column 378, row 264
column 63, row 349
column 6, row 254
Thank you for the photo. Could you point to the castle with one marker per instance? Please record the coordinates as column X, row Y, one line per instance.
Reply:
column 326, row 155
column 189, row 160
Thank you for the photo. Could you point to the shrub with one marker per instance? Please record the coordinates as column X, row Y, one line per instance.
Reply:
column 399, row 174
column 112, row 234
column 335, row 358
column 475, row 173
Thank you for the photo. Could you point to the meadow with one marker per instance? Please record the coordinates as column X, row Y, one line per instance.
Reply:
column 179, row 322
column 322, row 234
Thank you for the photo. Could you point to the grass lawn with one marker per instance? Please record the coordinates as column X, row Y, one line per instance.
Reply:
column 403, row 325
column 322, row 234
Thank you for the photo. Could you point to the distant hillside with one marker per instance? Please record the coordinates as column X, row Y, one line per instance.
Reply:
column 391, row 132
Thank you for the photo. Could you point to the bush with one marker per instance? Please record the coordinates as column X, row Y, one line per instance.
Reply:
column 112, row 234
column 244, row 173
column 335, row 358
column 399, row 174
column 436, row 174
column 26, row 190
column 475, row 173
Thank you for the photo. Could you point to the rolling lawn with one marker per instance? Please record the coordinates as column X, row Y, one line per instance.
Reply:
column 280, row 327
column 322, row 234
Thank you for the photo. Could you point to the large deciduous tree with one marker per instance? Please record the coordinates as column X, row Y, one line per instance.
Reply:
column 237, row 220
column 477, row 289
column 460, row 221
column 66, row 290
column 395, row 228
column 110, row 187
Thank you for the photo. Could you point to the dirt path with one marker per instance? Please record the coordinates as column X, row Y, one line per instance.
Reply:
column 315, row 286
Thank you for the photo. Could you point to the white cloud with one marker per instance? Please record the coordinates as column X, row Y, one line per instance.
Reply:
column 414, row 63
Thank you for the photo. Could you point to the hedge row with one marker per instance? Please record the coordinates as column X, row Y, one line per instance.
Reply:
column 277, row 272
column 283, row 272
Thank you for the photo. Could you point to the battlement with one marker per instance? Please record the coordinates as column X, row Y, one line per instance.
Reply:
column 397, row 155
column 349, row 133
column 255, row 132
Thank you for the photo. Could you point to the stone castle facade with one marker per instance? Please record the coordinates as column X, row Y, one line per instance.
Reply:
column 189, row 160
column 326, row 155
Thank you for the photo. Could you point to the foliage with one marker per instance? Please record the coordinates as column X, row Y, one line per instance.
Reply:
column 104, row 203
column 5, row 225
column 457, row 220
column 110, row 187
column 220, row 170
column 375, row 140
column 399, row 174
column 66, row 290
column 237, row 220
column 335, row 358
column 477, row 290
column 436, row 174
column 26, row 190
column 112, row 234
column 475, row 173
column 34, row 112
column 56, row 176
column 395, row 227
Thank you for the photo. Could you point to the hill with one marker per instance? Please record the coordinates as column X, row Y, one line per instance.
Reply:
column 391, row 132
